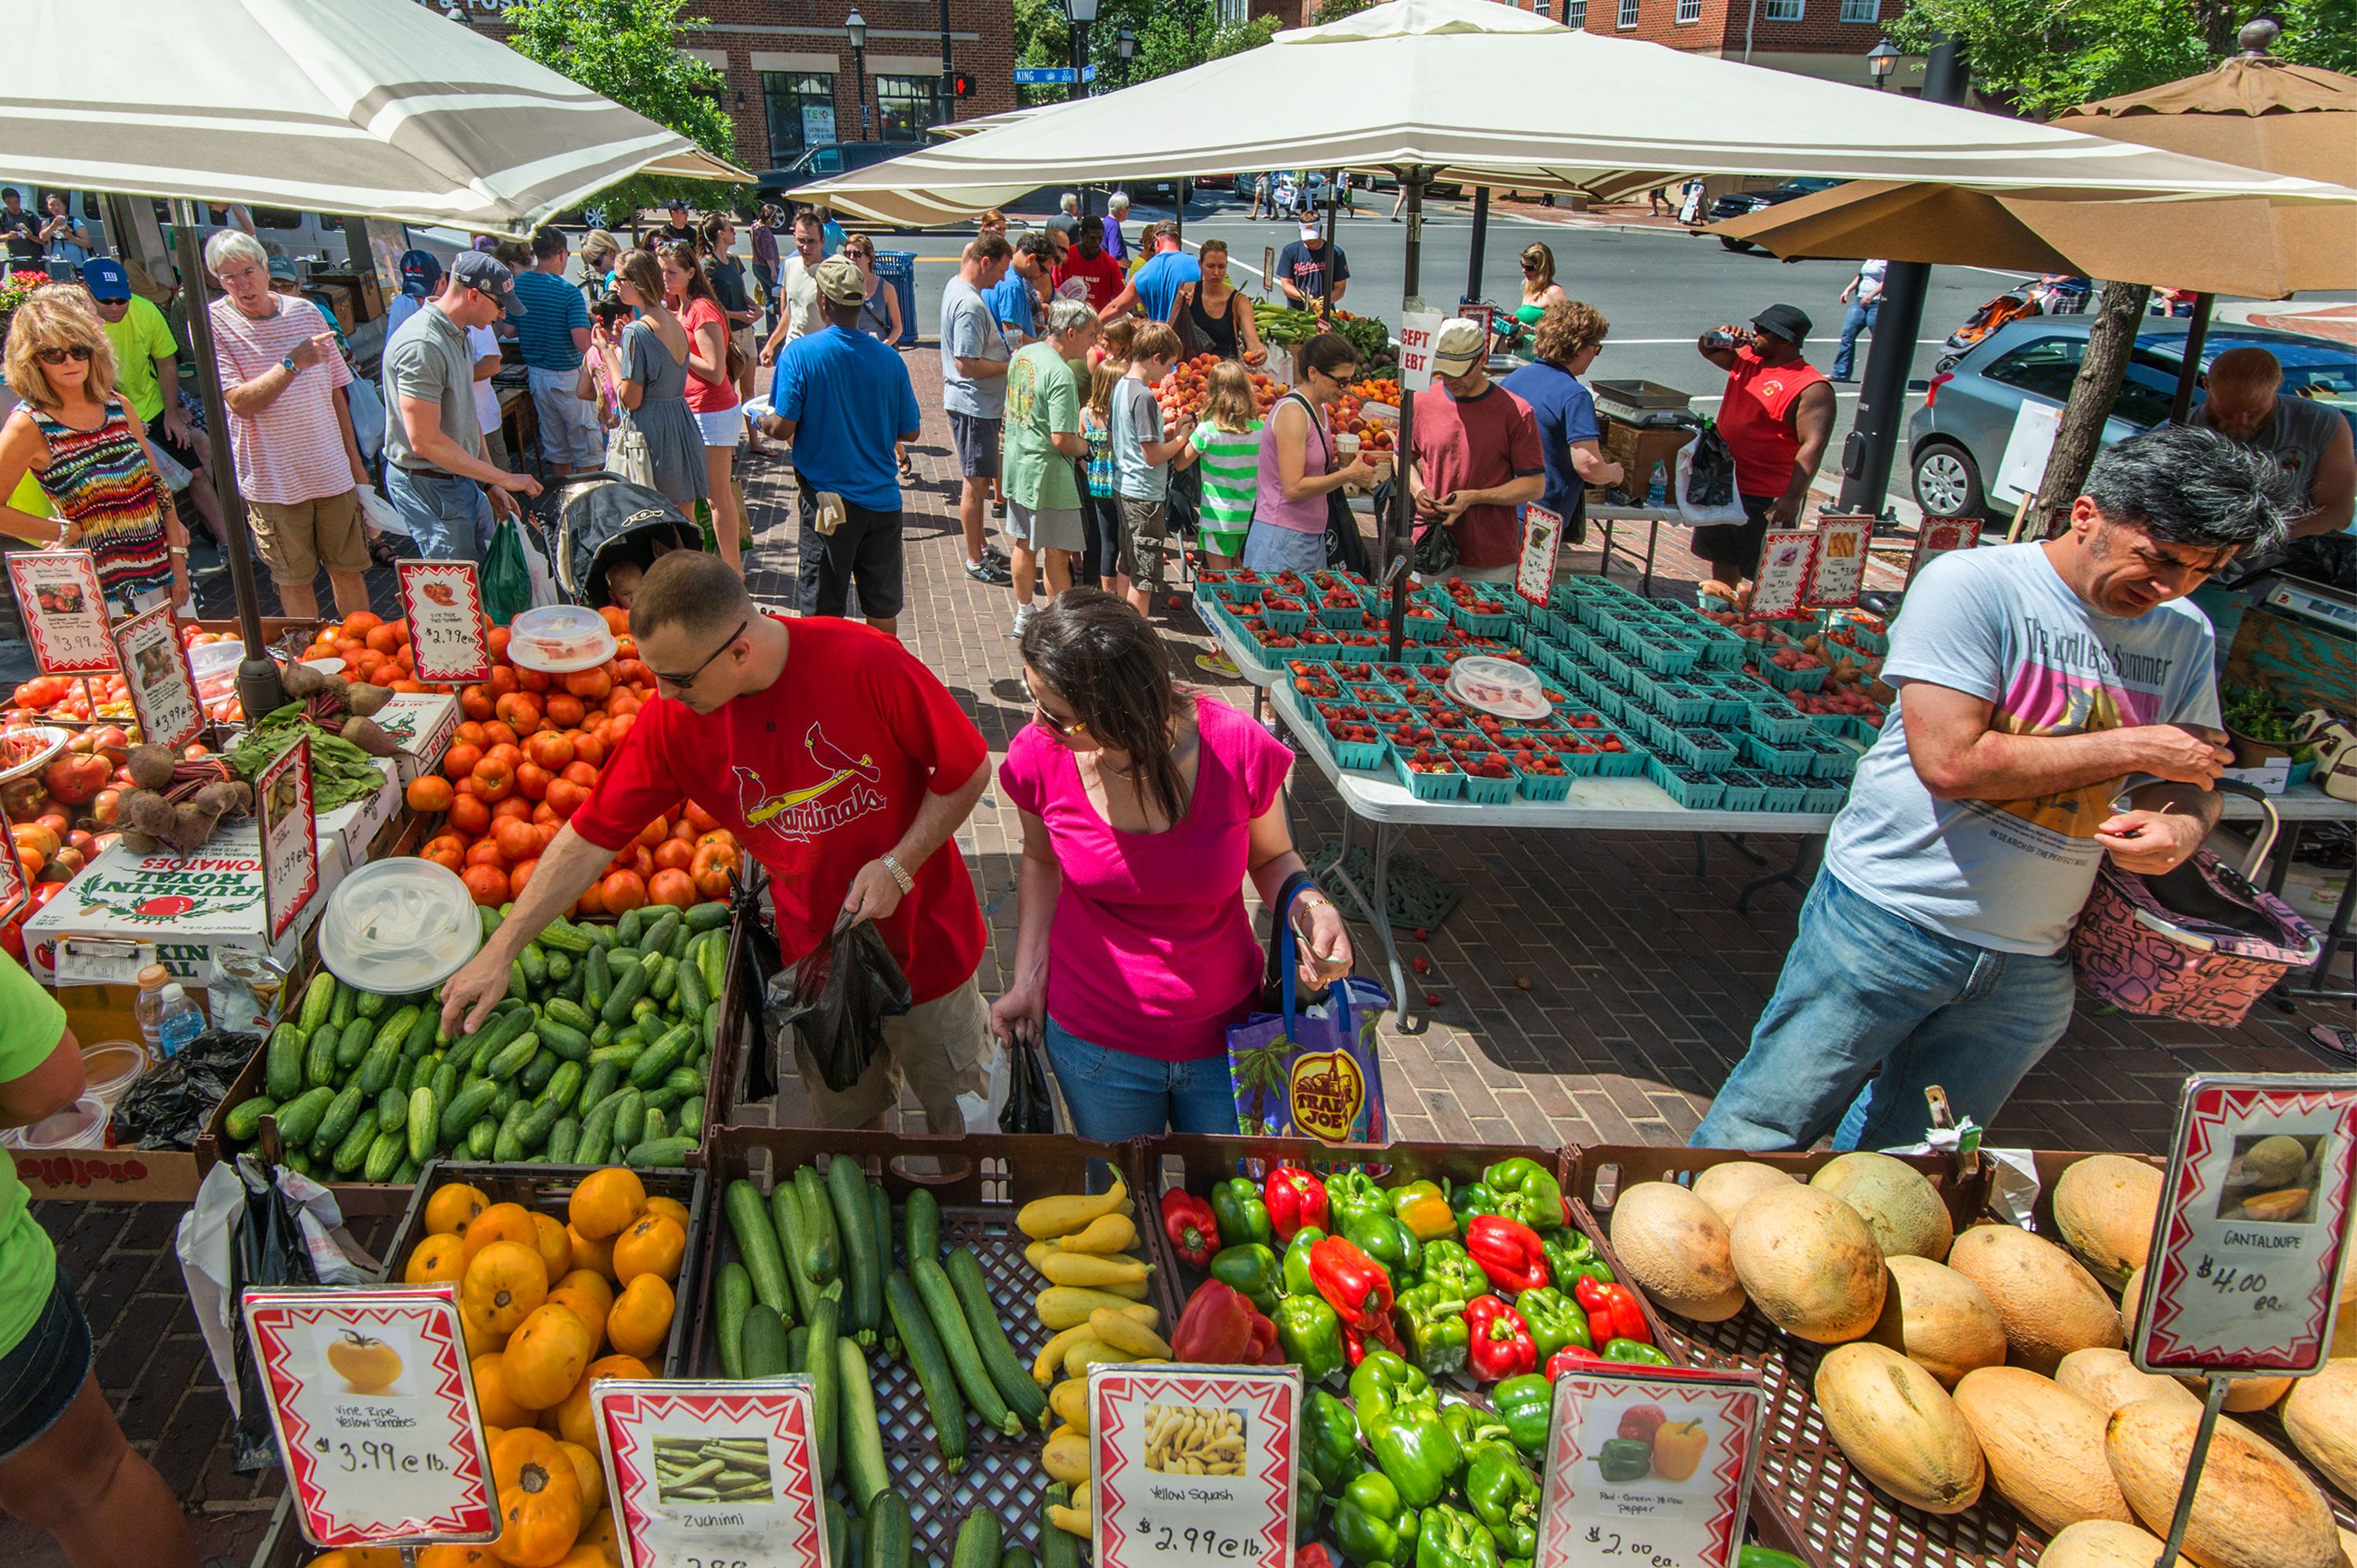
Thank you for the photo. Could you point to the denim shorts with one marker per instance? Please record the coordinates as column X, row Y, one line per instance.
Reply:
column 40, row 1376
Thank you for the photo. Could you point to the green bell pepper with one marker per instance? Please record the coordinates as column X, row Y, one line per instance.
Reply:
column 1451, row 1538
column 1306, row 1495
column 1470, row 1425
column 1527, row 1191
column 1448, row 1264
column 1330, row 1441
column 1625, row 1459
column 1350, row 1194
column 1571, row 1257
column 1526, row 1405
column 1374, row 1528
column 1297, row 1260
column 1504, row 1497
column 1383, row 1380
column 1470, row 1200
column 1240, row 1214
column 1250, row 1269
column 1431, row 1323
column 1310, row 1332
column 1414, row 1447
column 1387, row 1241
column 1555, row 1321
column 1767, row 1557
column 1636, row 1353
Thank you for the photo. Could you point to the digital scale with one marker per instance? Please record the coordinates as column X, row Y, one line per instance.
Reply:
column 2322, row 606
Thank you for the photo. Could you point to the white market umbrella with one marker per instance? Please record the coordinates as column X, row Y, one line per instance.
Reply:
column 379, row 107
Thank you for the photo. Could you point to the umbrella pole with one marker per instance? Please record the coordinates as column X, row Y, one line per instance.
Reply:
column 258, row 689
column 1480, row 242
column 1400, row 529
column 2196, row 333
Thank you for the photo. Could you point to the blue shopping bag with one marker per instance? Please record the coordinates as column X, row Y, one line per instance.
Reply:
column 1311, row 1070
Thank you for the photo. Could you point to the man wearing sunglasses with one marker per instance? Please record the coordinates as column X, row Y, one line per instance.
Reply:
column 436, row 467
column 842, row 765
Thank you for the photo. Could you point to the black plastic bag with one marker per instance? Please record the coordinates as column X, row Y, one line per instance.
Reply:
column 838, row 994
column 173, row 1099
column 1029, row 1107
column 269, row 1253
column 753, row 968
column 1710, row 478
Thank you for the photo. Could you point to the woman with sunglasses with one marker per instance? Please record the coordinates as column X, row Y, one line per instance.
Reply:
column 1144, row 806
column 1297, row 468
column 74, row 435
column 881, row 319
column 645, row 365
column 1539, row 287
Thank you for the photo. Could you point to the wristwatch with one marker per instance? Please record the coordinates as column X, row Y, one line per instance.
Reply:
column 287, row 363
column 899, row 873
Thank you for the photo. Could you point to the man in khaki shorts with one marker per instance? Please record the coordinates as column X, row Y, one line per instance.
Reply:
column 290, row 429
column 844, row 766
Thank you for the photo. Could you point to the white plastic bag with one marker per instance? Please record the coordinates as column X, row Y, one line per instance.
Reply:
column 207, row 1243
column 536, row 562
column 368, row 417
column 382, row 514
column 981, row 1110
column 1732, row 511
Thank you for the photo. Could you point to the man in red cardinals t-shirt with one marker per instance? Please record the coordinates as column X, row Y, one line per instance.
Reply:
column 843, row 765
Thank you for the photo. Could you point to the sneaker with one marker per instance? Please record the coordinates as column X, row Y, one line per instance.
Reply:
column 1024, row 615
column 1220, row 665
column 984, row 570
column 992, row 555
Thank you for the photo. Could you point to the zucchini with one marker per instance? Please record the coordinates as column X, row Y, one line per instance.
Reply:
column 798, row 1348
column 318, row 998
column 762, row 1342
column 879, row 1223
column 244, row 1118
column 826, row 1372
column 1018, row 1557
column 731, row 1294
column 838, row 1532
column 786, row 1212
column 1058, row 1547
column 978, row 1541
column 1007, row 1373
column 283, row 1062
column 756, row 1244
column 941, row 1303
column 921, row 1215
column 424, row 1124
column 863, row 1282
column 923, row 1350
column 821, row 1252
column 888, row 1532
column 660, row 1153
column 862, row 1439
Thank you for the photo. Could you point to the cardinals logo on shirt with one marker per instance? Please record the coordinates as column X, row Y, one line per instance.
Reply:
column 847, row 792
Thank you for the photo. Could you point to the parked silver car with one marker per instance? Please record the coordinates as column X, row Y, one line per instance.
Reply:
column 1958, row 436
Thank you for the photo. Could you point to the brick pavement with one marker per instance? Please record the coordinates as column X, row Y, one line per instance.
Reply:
column 1643, row 986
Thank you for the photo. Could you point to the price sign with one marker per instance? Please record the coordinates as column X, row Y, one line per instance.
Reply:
column 1840, row 569
column 1194, row 1465
column 444, row 604
column 64, row 611
column 1786, row 558
column 711, row 1475
column 1653, row 1469
column 1939, row 536
column 156, row 669
column 374, row 1407
column 1542, row 532
column 2254, row 1219
column 1419, row 329
column 290, row 836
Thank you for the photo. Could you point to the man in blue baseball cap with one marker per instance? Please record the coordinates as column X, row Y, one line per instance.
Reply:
column 147, row 375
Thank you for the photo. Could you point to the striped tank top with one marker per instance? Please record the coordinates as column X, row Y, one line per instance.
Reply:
column 101, row 480
column 1230, row 460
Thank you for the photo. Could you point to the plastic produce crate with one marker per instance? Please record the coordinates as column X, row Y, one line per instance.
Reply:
column 1777, row 722
column 1693, row 790
column 980, row 1181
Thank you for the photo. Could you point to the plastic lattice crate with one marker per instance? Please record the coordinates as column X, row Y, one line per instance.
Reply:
column 1415, row 898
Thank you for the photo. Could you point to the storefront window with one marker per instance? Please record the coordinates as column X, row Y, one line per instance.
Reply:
column 905, row 105
column 801, row 107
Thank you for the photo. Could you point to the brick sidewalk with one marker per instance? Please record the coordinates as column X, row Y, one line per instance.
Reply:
column 1644, row 983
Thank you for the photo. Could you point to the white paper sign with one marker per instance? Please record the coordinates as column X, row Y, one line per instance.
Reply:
column 156, row 669
column 1839, row 572
column 444, row 600
column 2027, row 448
column 374, row 1407
column 1542, row 532
column 290, row 836
column 717, row 1474
column 64, row 612
column 1783, row 580
column 2253, row 1223
column 1195, row 1465
column 99, row 960
column 1419, row 329
column 1653, row 1468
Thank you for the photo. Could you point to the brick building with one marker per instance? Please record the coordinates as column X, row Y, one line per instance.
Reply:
column 789, row 65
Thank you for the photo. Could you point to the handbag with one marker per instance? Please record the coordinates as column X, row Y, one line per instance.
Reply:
column 1309, row 1069
column 626, row 456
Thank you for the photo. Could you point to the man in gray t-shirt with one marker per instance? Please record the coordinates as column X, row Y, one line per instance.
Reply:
column 2036, row 684
column 974, row 354
column 435, row 466
column 2308, row 440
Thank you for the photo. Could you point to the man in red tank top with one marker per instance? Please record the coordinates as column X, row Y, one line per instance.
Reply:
column 1777, row 419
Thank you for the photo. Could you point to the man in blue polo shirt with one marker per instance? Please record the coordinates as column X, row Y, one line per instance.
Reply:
column 843, row 400
column 1015, row 298
column 1153, row 288
column 552, row 336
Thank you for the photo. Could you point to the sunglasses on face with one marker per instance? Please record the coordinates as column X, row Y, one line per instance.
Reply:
column 1048, row 722
column 60, row 355
column 684, row 681
column 1529, row 266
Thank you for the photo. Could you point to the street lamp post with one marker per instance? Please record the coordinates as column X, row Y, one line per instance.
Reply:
column 1082, row 14
column 855, row 25
column 1124, row 44
column 1880, row 61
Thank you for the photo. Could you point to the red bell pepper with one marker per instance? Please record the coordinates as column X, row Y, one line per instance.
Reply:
column 1295, row 1197
column 1353, row 1284
column 1571, row 1359
column 1509, row 1252
column 1501, row 1347
column 1187, row 1220
column 1355, row 1345
column 1261, row 1350
column 1216, row 1328
column 1614, row 1311
column 1311, row 1556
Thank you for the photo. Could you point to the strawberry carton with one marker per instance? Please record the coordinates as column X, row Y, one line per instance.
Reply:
column 1429, row 771
column 1357, row 746
column 1411, row 737
column 1539, row 772
column 1489, row 776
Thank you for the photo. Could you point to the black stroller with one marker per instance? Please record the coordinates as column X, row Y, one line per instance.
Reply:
column 598, row 523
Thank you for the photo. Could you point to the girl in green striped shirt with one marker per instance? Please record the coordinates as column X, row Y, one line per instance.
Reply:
column 1227, row 445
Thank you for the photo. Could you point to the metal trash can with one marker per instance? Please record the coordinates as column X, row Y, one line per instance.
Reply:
column 898, row 270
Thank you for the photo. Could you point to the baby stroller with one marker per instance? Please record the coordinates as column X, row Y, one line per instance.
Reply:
column 601, row 522
column 2055, row 293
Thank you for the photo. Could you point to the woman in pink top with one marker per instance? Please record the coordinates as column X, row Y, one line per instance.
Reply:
column 1298, row 471
column 1145, row 807
column 711, row 389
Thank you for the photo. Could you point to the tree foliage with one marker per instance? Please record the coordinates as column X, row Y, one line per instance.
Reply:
column 630, row 52
column 1170, row 38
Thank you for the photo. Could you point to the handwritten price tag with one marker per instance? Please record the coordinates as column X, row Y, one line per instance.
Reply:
column 1939, row 537
column 1652, row 1471
column 444, row 600
column 711, row 1475
column 1785, row 561
column 1534, row 574
column 1194, row 1465
column 65, row 613
column 1839, row 572
column 374, row 1408
column 2252, row 1224
column 156, row 669
column 290, row 836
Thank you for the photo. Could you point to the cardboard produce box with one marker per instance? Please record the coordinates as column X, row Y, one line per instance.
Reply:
column 424, row 723
column 355, row 824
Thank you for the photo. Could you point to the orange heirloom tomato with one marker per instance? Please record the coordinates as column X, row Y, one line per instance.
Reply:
column 652, row 1245
column 640, row 1320
column 453, row 1208
column 546, row 1357
column 605, row 1202
column 492, row 1395
column 539, row 1501
column 435, row 1260
column 500, row 1222
column 589, row 1474
column 505, row 1283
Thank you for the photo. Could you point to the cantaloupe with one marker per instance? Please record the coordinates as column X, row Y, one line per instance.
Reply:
column 2244, row 1395
column 2102, row 1543
column 2044, row 1447
column 2253, row 1508
column 1728, row 1185
column 1901, row 1205
column 1937, row 1320
column 1809, row 1263
column 2107, row 1379
column 2104, row 1206
column 1675, row 1246
column 2131, row 1294
column 2048, row 1303
column 2321, row 1417
column 1898, row 1428
column 2349, row 1546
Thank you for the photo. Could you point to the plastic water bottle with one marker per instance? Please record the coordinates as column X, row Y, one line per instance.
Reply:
column 168, row 1017
column 1657, row 494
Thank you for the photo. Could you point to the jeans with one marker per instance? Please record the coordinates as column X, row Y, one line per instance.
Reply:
column 1115, row 1094
column 1863, row 988
column 449, row 517
column 1860, row 318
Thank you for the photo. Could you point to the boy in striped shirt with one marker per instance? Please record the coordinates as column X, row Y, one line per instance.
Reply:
column 1227, row 445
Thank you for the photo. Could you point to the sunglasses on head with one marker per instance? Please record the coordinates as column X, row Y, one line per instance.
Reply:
column 60, row 355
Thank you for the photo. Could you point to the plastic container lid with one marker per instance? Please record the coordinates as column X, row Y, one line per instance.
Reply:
column 214, row 664
column 81, row 1125
column 399, row 925
column 556, row 640
column 112, row 1067
column 1498, row 686
column 154, row 977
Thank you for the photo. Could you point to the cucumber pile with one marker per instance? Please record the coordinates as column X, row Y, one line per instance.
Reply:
column 596, row 1055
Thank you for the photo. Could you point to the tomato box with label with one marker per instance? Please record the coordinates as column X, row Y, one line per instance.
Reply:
column 423, row 725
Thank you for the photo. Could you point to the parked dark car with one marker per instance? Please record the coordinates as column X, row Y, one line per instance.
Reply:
column 1742, row 203
column 829, row 158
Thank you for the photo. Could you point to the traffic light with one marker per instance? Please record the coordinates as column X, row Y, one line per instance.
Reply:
column 957, row 83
